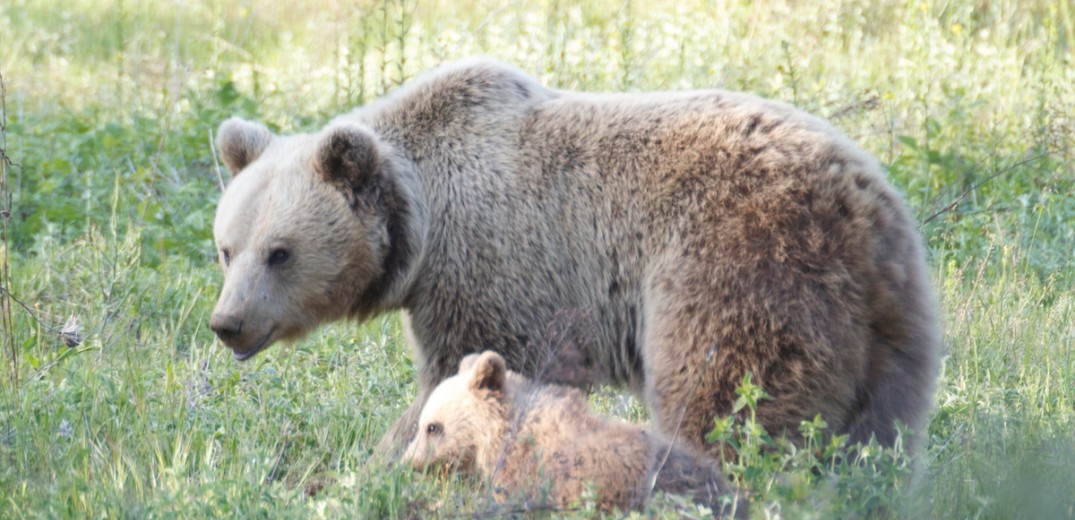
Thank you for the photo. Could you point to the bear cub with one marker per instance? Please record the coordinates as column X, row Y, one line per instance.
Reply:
column 540, row 441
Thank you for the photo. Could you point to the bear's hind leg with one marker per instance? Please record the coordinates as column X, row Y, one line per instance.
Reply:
column 705, row 331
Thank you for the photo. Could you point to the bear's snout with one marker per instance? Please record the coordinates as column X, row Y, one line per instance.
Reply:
column 227, row 327
column 242, row 338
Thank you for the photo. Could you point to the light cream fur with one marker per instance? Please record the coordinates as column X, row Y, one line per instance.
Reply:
column 531, row 441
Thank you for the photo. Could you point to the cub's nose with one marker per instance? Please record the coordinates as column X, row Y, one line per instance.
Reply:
column 226, row 326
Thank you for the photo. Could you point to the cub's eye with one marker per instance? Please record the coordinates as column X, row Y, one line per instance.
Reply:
column 278, row 256
column 434, row 429
column 226, row 256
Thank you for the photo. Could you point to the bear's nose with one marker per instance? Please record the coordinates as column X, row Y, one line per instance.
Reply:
column 226, row 326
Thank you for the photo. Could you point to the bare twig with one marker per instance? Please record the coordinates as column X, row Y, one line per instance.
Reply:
column 866, row 104
column 271, row 477
column 560, row 341
column 513, row 510
column 959, row 198
column 524, row 509
column 216, row 161
column 6, row 319
column 8, row 294
column 682, row 415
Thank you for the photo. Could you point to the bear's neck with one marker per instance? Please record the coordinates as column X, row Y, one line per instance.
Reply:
column 406, row 214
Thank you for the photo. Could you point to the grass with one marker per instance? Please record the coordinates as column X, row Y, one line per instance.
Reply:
column 109, row 193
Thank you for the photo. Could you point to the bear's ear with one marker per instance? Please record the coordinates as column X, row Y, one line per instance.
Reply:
column 347, row 157
column 240, row 142
column 468, row 361
column 490, row 371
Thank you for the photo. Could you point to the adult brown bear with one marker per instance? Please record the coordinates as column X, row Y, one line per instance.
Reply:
column 701, row 235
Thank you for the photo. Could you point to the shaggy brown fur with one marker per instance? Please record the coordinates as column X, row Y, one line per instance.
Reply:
column 703, row 234
column 530, row 440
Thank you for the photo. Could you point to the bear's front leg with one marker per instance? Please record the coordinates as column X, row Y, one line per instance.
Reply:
column 394, row 441
column 430, row 373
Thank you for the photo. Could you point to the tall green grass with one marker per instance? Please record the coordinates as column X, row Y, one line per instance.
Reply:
column 112, row 183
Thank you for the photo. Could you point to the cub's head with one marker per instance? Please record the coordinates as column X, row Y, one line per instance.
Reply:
column 464, row 418
column 311, row 228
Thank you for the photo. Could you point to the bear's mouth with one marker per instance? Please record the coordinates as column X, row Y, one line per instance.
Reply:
column 261, row 344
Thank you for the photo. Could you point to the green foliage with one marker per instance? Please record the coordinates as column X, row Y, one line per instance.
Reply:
column 820, row 477
column 110, row 111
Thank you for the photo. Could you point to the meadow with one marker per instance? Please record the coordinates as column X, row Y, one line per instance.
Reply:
column 116, row 401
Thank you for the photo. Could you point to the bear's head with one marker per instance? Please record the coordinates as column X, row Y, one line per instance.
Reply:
column 311, row 228
column 464, row 419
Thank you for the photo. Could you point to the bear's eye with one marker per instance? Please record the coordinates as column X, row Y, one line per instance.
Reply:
column 434, row 429
column 278, row 256
column 226, row 256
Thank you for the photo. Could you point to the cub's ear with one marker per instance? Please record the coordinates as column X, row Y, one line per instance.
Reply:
column 490, row 372
column 468, row 362
column 240, row 142
column 348, row 157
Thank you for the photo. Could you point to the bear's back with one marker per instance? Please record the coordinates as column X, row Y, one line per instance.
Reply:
column 558, row 445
